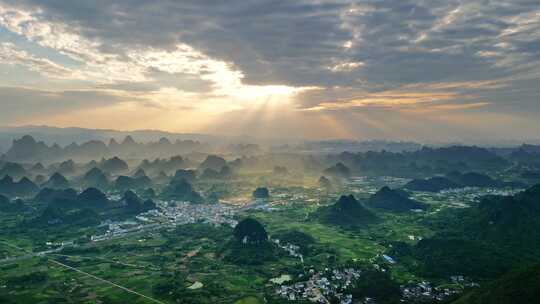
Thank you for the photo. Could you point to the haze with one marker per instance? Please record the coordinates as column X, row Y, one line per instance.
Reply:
column 270, row 152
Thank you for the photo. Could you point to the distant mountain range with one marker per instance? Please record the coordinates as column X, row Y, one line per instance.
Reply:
column 66, row 136
column 425, row 162
column 455, row 180
column 28, row 149
column 338, row 146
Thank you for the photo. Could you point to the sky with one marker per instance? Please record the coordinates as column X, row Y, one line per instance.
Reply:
column 438, row 70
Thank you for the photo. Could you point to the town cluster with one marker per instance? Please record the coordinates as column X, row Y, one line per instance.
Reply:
column 169, row 214
column 320, row 287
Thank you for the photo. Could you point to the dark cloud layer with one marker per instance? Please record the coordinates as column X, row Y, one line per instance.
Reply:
column 293, row 42
column 349, row 50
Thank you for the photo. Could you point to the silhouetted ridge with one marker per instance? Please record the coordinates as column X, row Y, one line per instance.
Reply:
column 165, row 165
column 57, row 181
column 67, row 167
column 213, row 162
column 224, row 172
column 48, row 195
column 181, row 190
column 134, row 204
column 128, row 141
column 126, row 182
column 349, row 204
column 434, row 184
column 347, row 211
column 13, row 169
column 325, row 182
column 338, row 170
column 472, row 179
column 250, row 231
column 261, row 193
column 188, row 175
column 427, row 161
column 114, row 165
column 250, row 245
column 519, row 286
column 455, row 180
column 40, row 179
column 139, row 173
column 27, row 148
column 38, row 167
column 22, row 188
column 92, row 198
column 95, row 178
column 393, row 200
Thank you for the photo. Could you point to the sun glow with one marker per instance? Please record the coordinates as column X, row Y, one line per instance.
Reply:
column 269, row 93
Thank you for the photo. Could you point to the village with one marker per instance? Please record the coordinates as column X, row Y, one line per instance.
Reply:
column 321, row 286
column 170, row 213
column 424, row 291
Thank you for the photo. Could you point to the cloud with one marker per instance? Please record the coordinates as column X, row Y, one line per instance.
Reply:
column 122, row 62
column 428, row 97
column 400, row 100
column 346, row 66
column 328, row 55
column 9, row 54
column 292, row 43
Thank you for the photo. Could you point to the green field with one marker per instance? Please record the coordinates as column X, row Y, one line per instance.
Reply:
column 160, row 265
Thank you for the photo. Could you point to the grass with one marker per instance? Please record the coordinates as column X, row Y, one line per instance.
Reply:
column 249, row 300
column 164, row 253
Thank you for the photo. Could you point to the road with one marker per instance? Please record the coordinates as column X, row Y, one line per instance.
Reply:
column 29, row 254
column 106, row 281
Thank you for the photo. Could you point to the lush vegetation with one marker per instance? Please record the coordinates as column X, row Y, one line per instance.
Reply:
column 393, row 237
column 521, row 286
